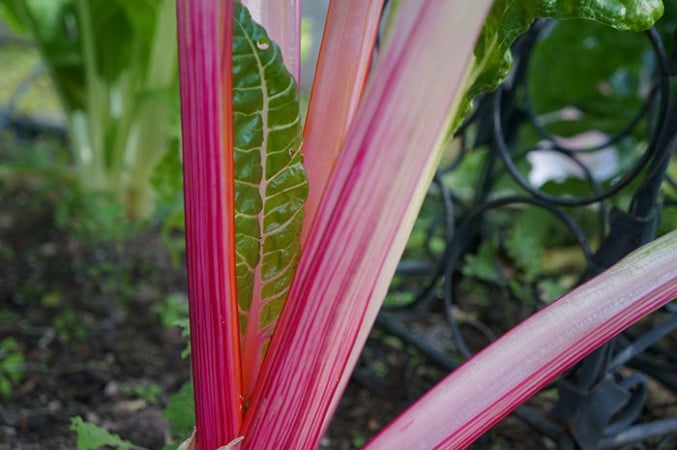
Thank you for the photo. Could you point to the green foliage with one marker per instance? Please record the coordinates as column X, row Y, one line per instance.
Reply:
column 526, row 241
column 427, row 235
column 358, row 439
column 173, row 312
column 184, row 324
column 12, row 366
column 180, row 412
column 168, row 183
column 10, row 18
column 306, row 37
column 173, row 233
column 20, row 63
column 668, row 24
column 270, row 182
column 69, row 327
column 101, row 217
column 604, row 85
column 607, row 89
column 528, row 253
column 166, row 177
column 669, row 214
column 92, row 437
column 48, row 24
column 508, row 19
column 668, row 220
column 553, row 288
column 484, row 264
column 143, row 389
column 463, row 180
column 113, row 64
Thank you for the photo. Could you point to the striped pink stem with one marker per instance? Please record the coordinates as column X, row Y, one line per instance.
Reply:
column 345, row 54
column 364, row 219
column 205, row 47
column 496, row 381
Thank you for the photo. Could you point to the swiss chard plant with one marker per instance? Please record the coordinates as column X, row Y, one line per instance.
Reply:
column 113, row 65
column 282, row 295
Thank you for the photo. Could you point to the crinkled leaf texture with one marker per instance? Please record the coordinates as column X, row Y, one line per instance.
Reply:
column 508, row 19
column 270, row 185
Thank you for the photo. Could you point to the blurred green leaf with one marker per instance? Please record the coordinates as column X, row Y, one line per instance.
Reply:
column 668, row 219
column 113, row 63
column 484, row 264
column 53, row 25
column 552, row 289
column 92, row 437
column 166, row 177
column 180, row 413
column 508, row 19
column 526, row 241
column 569, row 187
column 584, row 65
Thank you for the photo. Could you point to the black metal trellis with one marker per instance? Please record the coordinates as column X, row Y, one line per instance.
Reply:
column 601, row 401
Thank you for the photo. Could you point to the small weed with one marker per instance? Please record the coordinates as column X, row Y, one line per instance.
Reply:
column 68, row 327
column 143, row 389
column 7, row 316
column 91, row 437
column 12, row 366
column 358, row 440
column 180, row 412
column 172, row 311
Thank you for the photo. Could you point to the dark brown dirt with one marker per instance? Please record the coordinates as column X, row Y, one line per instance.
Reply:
column 85, row 316
column 83, row 310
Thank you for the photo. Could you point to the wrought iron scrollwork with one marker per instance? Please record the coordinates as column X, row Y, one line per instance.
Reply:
column 600, row 402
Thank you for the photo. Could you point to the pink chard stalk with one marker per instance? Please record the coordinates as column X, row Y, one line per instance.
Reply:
column 537, row 350
column 205, row 41
column 276, row 330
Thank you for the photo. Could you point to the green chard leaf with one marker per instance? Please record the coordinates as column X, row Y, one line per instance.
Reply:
column 508, row 19
column 270, row 184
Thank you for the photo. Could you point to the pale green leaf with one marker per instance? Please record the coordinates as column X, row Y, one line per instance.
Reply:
column 180, row 412
column 92, row 437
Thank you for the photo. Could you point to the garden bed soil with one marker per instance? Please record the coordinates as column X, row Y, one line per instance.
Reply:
column 87, row 323
column 87, row 320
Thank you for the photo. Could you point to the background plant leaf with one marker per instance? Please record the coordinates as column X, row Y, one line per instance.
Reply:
column 526, row 241
column 180, row 412
column 92, row 437
column 484, row 264
column 508, row 19
column 603, row 83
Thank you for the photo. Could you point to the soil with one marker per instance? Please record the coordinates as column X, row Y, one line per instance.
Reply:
column 86, row 313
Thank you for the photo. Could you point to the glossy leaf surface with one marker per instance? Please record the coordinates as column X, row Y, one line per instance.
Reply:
column 270, row 185
column 508, row 19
